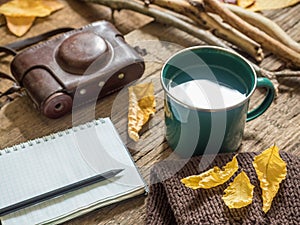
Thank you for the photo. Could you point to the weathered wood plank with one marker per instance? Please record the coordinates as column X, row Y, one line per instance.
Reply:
column 280, row 124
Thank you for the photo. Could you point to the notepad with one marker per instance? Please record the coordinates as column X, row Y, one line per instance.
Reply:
column 57, row 160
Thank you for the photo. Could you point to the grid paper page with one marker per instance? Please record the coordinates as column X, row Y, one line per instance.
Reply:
column 59, row 160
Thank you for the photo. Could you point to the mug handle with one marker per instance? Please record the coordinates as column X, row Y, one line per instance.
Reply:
column 265, row 83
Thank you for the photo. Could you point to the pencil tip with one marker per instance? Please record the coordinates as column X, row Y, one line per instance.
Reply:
column 116, row 171
column 111, row 173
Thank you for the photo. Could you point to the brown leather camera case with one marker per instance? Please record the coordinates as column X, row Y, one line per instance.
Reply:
column 82, row 65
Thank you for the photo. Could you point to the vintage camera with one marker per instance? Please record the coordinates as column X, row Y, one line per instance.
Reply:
column 85, row 64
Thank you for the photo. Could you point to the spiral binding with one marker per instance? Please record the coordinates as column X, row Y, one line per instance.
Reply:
column 59, row 134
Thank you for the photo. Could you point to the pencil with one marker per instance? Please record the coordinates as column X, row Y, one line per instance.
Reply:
column 59, row 191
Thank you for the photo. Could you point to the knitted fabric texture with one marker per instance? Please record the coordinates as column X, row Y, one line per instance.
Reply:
column 170, row 202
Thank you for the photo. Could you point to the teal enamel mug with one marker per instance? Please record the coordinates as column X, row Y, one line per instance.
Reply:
column 207, row 93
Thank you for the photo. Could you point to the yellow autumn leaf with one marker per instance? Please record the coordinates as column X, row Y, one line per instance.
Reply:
column 245, row 3
column 19, row 25
column 271, row 171
column 212, row 177
column 30, row 8
column 141, row 107
column 266, row 4
column 20, row 14
column 239, row 193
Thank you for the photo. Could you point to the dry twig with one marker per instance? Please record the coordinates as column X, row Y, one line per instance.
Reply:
column 216, row 26
column 267, row 42
column 161, row 15
column 265, row 24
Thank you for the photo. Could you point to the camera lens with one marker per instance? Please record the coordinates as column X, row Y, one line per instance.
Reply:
column 57, row 105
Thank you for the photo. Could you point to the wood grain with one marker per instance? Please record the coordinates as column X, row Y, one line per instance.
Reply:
column 20, row 122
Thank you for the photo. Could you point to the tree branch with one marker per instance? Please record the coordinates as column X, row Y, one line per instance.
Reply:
column 267, row 42
column 162, row 16
column 265, row 24
column 216, row 26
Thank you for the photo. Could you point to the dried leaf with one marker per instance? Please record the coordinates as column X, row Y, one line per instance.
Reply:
column 141, row 106
column 30, row 8
column 213, row 177
column 245, row 3
column 239, row 193
column 19, row 25
column 20, row 14
column 270, row 170
column 267, row 4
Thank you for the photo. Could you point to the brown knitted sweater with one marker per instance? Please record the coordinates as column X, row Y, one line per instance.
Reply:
column 170, row 202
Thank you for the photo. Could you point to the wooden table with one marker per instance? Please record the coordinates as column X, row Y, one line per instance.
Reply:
column 19, row 121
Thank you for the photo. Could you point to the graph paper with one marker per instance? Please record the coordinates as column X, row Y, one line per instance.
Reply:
column 35, row 167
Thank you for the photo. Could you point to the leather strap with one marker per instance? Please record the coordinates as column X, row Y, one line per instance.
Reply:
column 7, row 50
column 12, row 89
column 18, row 45
column 6, row 76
